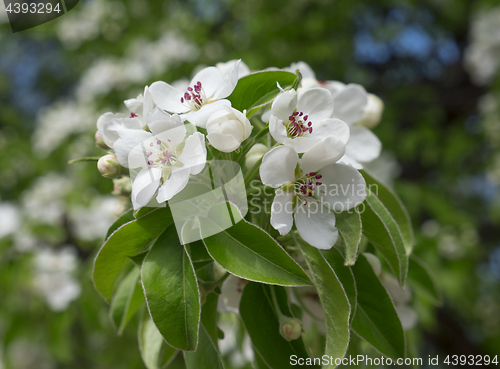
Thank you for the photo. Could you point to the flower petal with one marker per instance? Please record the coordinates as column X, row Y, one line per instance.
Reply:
column 363, row 145
column 278, row 166
column 325, row 152
column 194, row 154
column 282, row 211
column 223, row 142
column 148, row 104
column 302, row 144
column 316, row 225
column 278, row 130
column 229, row 82
column 343, row 187
column 200, row 117
column 167, row 97
column 144, row 186
column 158, row 121
column 317, row 103
column 347, row 160
column 129, row 144
column 210, row 78
column 331, row 127
column 350, row 103
column 284, row 105
column 172, row 186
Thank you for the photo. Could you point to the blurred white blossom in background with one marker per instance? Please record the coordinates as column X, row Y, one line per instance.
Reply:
column 9, row 219
column 53, row 276
column 482, row 56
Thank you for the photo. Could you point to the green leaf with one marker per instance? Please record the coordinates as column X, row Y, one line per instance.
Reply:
column 421, row 277
column 206, row 356
column 334, row 301
column 198, row 252
column 209, row 316
column 126, row 217
column 171, row 291
column 349, row 226
column 127, row 300
column 262, row 323
column 252, row 88
column 151, row 343
column 128, row 240
column 376, row 320
column 344, row 273
column 248, row 252
column 382, row 230
column 395, row 206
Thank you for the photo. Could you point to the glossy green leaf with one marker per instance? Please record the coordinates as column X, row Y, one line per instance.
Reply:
column 209, row 316
column 395, row 206
column 126, row 217
column 344, row 273
column 171, row 291
column 127, row 300
column 198, row 252
column 128, row 240
column 248, row 252
column 383, row 232
column 261, row 321
column 349, row 225
column 252, row 88
column 151, row 343
column 334, row 301
column 206, row 356
column 421, row 277
column 376, row 320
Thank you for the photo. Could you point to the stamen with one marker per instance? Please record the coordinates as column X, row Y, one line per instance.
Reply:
column 133, row 115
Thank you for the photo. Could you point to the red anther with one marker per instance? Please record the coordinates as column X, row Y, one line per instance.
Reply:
column 305, row 117
column 319, row 183
column 149, row 154
column 158, row 142
column 312, row 174
column 198, row 84
column 319, row 176
column 309, row 194
column 310, row 129
column 301, row 114
column 309, row 124
column 190, row 89
column 182, row 100
column 295, row 113
column 150, row 162
column 133, row 115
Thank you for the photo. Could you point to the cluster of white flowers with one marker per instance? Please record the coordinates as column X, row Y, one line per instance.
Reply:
column 482, row 56
column 320, row 129
column 53, row 276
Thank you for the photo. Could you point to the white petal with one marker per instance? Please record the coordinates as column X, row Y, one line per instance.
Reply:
column 144, row 186
column 200, row 117
column 304, row 68
column 302, row 144
column 350, row 103
column 194, row 154
column 228, row 83
column 282, row 211
column 167, row 97
column 331, row 127
column 134, row 105
column 227, row 67
column 129, row 140
column 211, row 78
column 172, row 186
column 347, row 160
column 278, row 130
column 284, row 105
column 363, row 145
column 317, row 103
column 316, row 225
column 158, row 121
column 278, row 166
column 325, row 152
column 344, row 187
column 148, row 104
column 223, row 142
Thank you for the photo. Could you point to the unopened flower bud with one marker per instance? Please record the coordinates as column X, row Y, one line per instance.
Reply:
column 122, row 186
column 227, row 129
column 100, row 142
column 290, row 328
column 254, row 154
column 373, row 112
column 109, row 166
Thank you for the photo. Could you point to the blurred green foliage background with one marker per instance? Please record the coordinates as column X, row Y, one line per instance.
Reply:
column 433, row 62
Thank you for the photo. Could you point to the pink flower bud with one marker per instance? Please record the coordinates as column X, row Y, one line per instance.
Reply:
column 290, row 328
column 109, row 166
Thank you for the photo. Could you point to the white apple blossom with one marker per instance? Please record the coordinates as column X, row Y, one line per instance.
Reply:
column 10, row 219
column 226, row 68
column 353, row 105
column 165, row 156
column 206, row 94
column 141, row 106
column 310, row 188
column 109, row 124
column 227, row 129
column 303, row 121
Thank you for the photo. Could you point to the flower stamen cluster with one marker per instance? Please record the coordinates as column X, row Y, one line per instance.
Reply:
column 298, row 125
column 194, row 97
